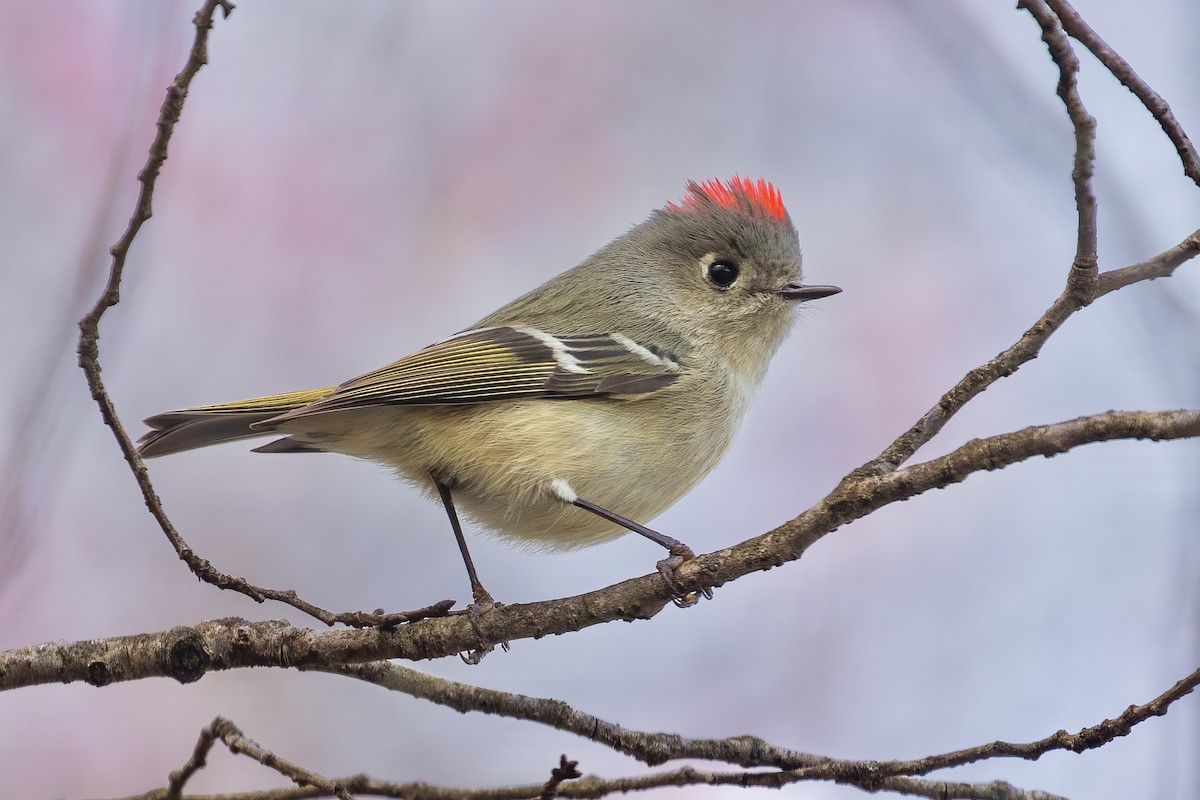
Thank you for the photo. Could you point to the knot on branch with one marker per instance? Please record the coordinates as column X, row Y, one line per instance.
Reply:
column 188, row 658
column 98, row 674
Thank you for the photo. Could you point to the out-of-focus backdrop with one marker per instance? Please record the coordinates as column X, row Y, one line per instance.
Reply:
column 351, row 182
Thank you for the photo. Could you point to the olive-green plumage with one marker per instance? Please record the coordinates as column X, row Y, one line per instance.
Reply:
column 621, row 381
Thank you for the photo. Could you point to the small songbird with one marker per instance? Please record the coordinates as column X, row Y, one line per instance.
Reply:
column 581, row 410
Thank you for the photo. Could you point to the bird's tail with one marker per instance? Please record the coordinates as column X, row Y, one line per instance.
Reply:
column 176, row 431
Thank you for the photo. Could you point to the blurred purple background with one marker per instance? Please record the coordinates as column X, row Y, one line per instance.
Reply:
column 352, row 182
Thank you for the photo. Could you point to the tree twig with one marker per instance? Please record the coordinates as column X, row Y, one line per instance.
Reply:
column 1082, row 279
column 594, row 787
column 565, row 771
column 223, row 730
column 1079, row 30
column 745, row 751
column 901, row 776
column 1160, row 266
column 1084, row 282
column 89, row 355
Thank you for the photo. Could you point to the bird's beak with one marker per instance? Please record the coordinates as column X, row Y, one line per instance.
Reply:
column 794, row 291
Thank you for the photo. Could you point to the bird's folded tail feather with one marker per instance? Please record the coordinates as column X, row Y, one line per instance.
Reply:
column 176, row 431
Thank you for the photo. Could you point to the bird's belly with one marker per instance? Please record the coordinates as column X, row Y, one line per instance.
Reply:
column 517, row 492
column 501, row 462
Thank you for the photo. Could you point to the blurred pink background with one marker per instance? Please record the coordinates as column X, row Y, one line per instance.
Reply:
column 353, row 181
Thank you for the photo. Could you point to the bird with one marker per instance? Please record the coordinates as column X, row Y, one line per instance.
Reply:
column 581, row 410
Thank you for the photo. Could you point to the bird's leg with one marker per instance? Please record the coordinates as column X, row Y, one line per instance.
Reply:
column 482, row 598
column 675, row 547
column 679, row 551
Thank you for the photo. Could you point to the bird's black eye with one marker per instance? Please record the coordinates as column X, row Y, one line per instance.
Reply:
column 722, row 274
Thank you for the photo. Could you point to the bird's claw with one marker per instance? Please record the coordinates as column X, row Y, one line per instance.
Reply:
column 667, row 567
column 475, row 610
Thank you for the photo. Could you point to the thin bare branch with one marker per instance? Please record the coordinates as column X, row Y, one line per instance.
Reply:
column 1022, row 351
column 223, row 730
column 1082, row 278
column 593, row 787
column 565, row 771
column 873, row 776
column 971, row 385
column 196, row 762
column 1162, row 265
column 959, row 790
column 89, row 355
column 750, row 752
column 1079, row 30
column 312, row 785
column 747, row 751
column 1081, row 281
column 648, row 747
column 997, row 452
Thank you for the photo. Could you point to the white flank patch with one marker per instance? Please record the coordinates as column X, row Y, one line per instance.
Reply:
column 563, row 490
column 644, row 354
column 559, row 350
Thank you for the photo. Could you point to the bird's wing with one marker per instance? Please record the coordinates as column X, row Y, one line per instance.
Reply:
column 506, row 363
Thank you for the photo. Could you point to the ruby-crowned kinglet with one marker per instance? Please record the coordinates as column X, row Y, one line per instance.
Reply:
column 585, row 407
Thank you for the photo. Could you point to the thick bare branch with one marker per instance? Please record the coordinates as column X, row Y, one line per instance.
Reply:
column 186, row 653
